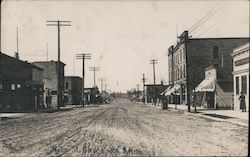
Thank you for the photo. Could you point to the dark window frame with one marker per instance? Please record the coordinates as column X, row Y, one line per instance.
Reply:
column 237, row 85
column 244, row 84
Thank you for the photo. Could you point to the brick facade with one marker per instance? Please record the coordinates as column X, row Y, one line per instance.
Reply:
column 200, row 53
column 50, row 80
column 73, row 89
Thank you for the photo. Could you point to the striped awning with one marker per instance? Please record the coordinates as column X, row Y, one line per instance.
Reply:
column 208, row 85
column 175, row 90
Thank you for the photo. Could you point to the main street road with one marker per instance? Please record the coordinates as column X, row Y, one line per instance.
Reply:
column 120, row 128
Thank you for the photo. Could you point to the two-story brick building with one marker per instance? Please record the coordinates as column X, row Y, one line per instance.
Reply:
column 50, row 79
column 73, row 89
column 190, row 56
column 21, row 86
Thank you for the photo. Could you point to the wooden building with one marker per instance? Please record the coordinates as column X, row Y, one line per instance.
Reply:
column 21, row 86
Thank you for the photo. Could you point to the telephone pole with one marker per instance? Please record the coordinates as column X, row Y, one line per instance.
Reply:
column 83, row 56
column 143, row 88
column 58, row 24
column 47, row 59
column 105, row 86
column 102, row 80
column 94, row 69
column 17, row 46
column 154, row 61
column 138, row 87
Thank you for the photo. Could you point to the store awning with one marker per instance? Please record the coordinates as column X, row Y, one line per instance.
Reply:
column 175, row 90
column 208, row 85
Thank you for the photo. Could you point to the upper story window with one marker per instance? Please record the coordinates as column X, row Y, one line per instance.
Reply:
column 181, row 56
column 181, row 72
column 215, row 52
column 184, row 70
column 13, row 87
column 184, row 54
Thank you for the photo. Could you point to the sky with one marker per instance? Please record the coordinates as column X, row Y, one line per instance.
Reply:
column 122, row 36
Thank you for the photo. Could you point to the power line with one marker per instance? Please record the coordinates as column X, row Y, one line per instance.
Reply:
column 205, row 31
column 205, row 18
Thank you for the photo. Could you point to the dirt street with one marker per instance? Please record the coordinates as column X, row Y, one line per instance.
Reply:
column 120, row 128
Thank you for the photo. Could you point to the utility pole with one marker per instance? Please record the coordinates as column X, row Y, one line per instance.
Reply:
column 17, row 46
column 94, row 69
column 83, row 56
column 187, row 75
column 154, row 61
column 58, row 24
column 73, row 66
column 102, row 80
column 106, row 86
column 143, row 88
column 47, row 58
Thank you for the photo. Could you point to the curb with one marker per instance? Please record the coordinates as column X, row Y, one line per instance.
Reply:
column 233, row 120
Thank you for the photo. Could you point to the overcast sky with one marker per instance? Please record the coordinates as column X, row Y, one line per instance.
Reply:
column 122, row 36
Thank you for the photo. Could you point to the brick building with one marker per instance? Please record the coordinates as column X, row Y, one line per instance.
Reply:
column 21, row 86
column 196, row 54
column 50, row 79
column 73, row 89
column 241, row 74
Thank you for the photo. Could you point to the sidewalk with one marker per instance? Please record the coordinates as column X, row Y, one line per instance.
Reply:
column 231, row 116
column 11, row 115
column 48, row 110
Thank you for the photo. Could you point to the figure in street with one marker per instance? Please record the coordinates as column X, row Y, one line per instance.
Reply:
column 242, row 102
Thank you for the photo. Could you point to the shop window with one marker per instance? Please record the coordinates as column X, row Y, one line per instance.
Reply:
column 54, row 92
column 244, row 84
column 215, row 52
column 237, row 85
column 13, row 87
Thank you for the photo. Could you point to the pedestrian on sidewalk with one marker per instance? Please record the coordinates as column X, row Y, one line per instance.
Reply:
column 242, row 102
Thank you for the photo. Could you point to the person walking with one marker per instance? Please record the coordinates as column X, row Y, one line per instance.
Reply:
column 242, row 102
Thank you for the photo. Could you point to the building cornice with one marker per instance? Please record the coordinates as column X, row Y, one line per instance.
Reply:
column 240, row 71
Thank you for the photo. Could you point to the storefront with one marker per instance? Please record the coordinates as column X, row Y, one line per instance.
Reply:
column 205, row 91
column 174, row 93
column 241, row 74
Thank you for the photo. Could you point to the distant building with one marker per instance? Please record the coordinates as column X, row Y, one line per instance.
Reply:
column 73, row 89
column 91, row 95
column 152, row 91
column 241, row 74
column 21, row 86
column 196, row 54
column 51, row 82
